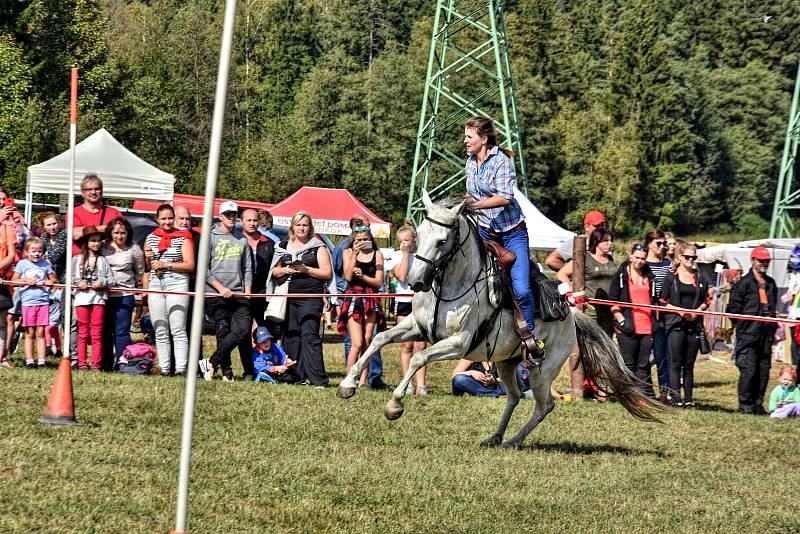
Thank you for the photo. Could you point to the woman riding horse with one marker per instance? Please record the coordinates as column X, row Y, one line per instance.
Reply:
column 490, row 191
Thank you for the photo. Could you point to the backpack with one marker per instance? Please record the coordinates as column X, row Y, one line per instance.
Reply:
column 137, row 359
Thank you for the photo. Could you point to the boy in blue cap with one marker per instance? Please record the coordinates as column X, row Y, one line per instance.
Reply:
column 269, row 360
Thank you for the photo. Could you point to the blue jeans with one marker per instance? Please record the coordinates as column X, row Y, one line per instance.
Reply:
column 466, row 384
column 517, row 242
column 375, row 373
column 119, row 311
column 661, row 353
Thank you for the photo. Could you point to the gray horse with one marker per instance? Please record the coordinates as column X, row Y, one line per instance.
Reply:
column 457, row 311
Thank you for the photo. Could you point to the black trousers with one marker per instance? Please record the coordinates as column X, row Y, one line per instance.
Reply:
column 635, row 350
column 302, row 340
column 232, row 318
column 683, row 343
column 753, row 354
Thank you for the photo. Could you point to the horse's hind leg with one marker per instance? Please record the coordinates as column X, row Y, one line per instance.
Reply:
column 508, row 374
column 407, row 330
column 544, row 405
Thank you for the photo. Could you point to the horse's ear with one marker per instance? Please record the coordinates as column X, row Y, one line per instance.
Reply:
column 459, row 208
column 426, row 200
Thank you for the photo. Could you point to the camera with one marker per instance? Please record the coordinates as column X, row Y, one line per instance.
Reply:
column 8, row 202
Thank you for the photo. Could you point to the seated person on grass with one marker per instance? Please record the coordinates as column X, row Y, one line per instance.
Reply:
column 784, row 401
column 481, row 380
column 269, row 360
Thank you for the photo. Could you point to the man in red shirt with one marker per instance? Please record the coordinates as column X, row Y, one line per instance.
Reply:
column 92, row 212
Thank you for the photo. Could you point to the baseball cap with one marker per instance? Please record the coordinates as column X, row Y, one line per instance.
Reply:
column 760, row 253
column 261, row 334
column 228, row 205
column 594, row 218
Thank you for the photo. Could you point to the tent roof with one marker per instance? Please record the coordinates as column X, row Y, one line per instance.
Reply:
column 196, row 203
column 543, row 234
column 330, row 209
column 124, row 174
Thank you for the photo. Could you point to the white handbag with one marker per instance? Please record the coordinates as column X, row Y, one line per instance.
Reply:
column 276, row 309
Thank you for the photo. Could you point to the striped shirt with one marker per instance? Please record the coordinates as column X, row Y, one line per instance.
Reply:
column 173, row 254
column 660, row 270
column 495, row 177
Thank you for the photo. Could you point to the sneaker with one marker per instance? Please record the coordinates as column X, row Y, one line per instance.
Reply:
column 206, row 369
column 226, row 378
column 688, row 404
column 30, row 365
column 41, row 364
column 528, row 394
column 248, row 378
column 83, row 368
column 422, row 390
column 58, row 354
column 410, row 389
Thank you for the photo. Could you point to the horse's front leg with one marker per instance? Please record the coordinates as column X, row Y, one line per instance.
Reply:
column 447, row 349
column 406, row 330
column 508, row 374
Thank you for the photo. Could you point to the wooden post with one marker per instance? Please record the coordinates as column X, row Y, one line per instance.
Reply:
column 578, row 285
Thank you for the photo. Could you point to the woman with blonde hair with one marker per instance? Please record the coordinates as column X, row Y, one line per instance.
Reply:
column 687, row 288
column 305, row 261
column 407, row 237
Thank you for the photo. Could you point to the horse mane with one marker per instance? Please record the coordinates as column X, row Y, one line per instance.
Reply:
column 469, row 214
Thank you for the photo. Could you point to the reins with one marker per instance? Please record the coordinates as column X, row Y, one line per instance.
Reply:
column 440, row 266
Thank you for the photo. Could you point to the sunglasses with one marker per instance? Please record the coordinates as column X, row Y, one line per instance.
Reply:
column 762, row 261
column 359, row 229
column 660, row 243
column 689, row 257
column 639, row 247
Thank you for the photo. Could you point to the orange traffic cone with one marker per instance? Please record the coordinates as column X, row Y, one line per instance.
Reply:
column 60, row 405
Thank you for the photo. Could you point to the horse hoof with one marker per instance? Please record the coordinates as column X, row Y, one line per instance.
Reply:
column 345, row 393
column 510, row 446
column 394, row 409
column 491, row 441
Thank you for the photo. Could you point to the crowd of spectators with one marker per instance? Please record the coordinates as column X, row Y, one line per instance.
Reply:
column 246, row 257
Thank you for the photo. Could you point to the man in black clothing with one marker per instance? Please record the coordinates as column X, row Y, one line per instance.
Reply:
column 261, row 250
column 754, row 294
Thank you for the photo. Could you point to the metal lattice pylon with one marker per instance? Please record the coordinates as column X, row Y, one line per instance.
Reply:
column 469, row 73
column 787, row 196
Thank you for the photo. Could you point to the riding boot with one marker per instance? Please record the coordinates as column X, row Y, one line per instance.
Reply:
column 534, row 352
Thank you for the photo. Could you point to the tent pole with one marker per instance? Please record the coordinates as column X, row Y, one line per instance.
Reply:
column 196, row 344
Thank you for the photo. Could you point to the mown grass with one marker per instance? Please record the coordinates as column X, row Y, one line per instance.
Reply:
column 296, row 459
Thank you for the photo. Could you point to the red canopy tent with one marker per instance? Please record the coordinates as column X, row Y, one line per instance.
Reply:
column 195, row 204
column 331, row 210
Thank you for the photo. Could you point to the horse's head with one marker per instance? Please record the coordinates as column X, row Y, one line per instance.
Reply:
column 436, row 242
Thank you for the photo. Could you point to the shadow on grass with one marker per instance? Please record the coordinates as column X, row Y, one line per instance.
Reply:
column 705, row 407
column 714, row 383
column 570, row 447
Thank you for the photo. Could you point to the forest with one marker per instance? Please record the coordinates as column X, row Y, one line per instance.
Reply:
column 657, row 112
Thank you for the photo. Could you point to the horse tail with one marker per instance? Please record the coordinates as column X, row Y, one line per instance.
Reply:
column 603, row 362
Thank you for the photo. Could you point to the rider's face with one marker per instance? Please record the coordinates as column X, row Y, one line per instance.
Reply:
column 472, row 141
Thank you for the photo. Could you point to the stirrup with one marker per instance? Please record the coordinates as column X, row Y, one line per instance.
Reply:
column 533, row 347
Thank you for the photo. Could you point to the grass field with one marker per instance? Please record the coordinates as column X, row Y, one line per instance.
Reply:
column 297, row 459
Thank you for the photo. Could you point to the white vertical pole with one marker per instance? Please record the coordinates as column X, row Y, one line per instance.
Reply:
column 196, row 343
column 73, row 133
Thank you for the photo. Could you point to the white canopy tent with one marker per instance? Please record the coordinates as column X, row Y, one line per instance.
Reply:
column 737, row 256
column 543, row 234
column 124, row 174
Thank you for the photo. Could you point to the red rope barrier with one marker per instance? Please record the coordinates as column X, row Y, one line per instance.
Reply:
column 651, row 307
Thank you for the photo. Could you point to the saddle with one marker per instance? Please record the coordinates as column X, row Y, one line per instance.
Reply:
column 550, row 304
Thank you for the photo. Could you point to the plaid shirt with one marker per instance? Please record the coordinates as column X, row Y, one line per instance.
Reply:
column 495, row 177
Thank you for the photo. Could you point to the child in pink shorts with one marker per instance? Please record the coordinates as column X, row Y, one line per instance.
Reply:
column 39, row 277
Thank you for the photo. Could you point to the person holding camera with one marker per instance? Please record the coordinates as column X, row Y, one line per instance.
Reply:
column 634, row 283
column 363, row 270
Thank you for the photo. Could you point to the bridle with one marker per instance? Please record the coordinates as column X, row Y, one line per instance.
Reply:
column 441, row 264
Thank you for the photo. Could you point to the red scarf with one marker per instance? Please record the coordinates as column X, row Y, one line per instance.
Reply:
column 167, row 237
